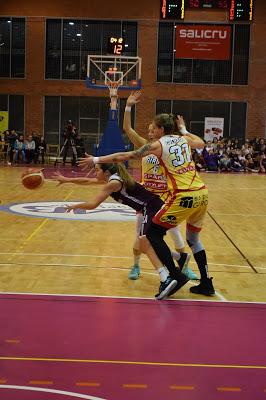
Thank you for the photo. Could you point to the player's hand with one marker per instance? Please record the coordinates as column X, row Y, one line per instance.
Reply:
column 133, row 98
column 59, row 178
column 180, row 121
column 86, row 162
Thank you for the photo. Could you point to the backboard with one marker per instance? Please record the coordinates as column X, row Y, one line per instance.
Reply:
column 103, row 71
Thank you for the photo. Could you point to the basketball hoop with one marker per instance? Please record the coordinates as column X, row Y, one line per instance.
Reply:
column 113, row 87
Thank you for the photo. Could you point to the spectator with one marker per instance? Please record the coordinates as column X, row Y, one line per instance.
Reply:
column 30, row 149
column 250, row 164
column 11, row 139
column 262, row 158
column 19, row 148
column 211, row 160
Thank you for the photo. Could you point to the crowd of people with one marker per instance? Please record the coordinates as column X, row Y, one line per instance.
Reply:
column 230, row 155
column 23, row 149
column 28, row 149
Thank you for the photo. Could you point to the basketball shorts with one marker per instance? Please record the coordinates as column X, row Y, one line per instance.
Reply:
column 184, row 206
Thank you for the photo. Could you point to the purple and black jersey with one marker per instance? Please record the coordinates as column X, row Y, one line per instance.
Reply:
column 139, row 199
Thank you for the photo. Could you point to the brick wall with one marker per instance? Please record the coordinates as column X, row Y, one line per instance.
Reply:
column 34, row 87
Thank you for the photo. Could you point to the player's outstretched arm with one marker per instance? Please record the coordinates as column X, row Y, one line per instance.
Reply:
column 61, row 179
column 109, row 188
column 133, row 136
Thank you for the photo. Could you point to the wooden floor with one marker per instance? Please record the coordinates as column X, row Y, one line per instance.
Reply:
column 93, row 258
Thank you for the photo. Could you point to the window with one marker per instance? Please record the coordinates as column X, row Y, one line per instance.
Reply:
column 70, row 41
column 194, row 113
column 14, row 104
column 88, row 114
column 12, row 47
column 233, row 71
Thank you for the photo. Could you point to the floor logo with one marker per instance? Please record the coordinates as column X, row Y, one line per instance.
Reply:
column 56, row 210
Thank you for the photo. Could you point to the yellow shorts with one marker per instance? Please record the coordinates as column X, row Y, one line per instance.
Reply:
column 184, row 206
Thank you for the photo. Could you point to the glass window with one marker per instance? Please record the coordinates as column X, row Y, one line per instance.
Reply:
column 227, row 72
column 53, row 49
column 88, row 114
column 194, row 113
column 12, row 47
column 70, row 41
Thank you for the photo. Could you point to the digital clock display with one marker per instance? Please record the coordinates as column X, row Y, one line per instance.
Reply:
column 208, row 4
column 115, row 45
column 172, row 9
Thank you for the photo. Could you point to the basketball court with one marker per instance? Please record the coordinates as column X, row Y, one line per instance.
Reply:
column 74, row 326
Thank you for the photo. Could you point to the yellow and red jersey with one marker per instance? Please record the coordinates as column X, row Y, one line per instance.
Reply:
column 178, row 166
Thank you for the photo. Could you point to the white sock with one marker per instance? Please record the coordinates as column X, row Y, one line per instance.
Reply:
column 163, row 272
column 176, row 256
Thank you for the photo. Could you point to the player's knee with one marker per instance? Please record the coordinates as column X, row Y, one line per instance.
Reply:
column 193, row 241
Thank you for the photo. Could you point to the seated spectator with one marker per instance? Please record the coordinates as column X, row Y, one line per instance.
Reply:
column 19, row 148
column 224, row 163
column 11, row 139
column 211, row 160
column 30, row 149
column 262, row 167
column 236, row 164
column 250, row 164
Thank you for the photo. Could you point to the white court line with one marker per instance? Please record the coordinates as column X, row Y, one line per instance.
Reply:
column 97, row 256
column 221, row 297
column 241, row 215
column 130, row 298
column 62, row 392
column 33, row 264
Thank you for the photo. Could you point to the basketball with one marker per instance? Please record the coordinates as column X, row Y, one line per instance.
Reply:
column 32, row 178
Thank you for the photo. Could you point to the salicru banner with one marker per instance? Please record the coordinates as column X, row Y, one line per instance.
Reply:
column 203, row 42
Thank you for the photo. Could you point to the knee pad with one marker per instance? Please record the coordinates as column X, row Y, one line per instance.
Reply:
column 193, row 241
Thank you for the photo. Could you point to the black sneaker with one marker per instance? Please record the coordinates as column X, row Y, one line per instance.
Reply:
column 205, row 287
column 165, row 288
column 180, row 283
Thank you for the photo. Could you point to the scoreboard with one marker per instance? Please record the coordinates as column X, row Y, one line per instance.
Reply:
column 239, row 10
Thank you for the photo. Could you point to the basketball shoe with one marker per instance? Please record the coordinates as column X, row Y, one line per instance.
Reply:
column 205, row 287
column 165, row 288
column 134, row 273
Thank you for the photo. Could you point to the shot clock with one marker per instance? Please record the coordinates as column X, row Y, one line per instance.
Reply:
column 115, row 46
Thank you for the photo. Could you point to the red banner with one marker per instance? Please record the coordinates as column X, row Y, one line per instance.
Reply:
column 203, row 42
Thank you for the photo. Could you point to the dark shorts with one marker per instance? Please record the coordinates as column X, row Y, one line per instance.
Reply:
column 148, row 213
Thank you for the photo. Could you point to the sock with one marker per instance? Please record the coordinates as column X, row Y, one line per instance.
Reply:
column 176, row 256
column 201, row 260
column 163, row 274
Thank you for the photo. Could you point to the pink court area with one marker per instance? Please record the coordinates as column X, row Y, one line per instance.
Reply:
column 66, row 347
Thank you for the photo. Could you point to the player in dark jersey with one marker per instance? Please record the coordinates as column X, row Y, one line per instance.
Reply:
column 122, row 188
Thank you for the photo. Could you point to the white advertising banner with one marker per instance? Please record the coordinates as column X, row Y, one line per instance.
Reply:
column 213, row 127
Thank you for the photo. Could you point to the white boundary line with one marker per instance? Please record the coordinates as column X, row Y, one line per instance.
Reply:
column 62, row 392
column 222, row 299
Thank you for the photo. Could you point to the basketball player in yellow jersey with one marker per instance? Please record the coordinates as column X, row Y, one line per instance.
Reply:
column 188, row 201
column 154, row 179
